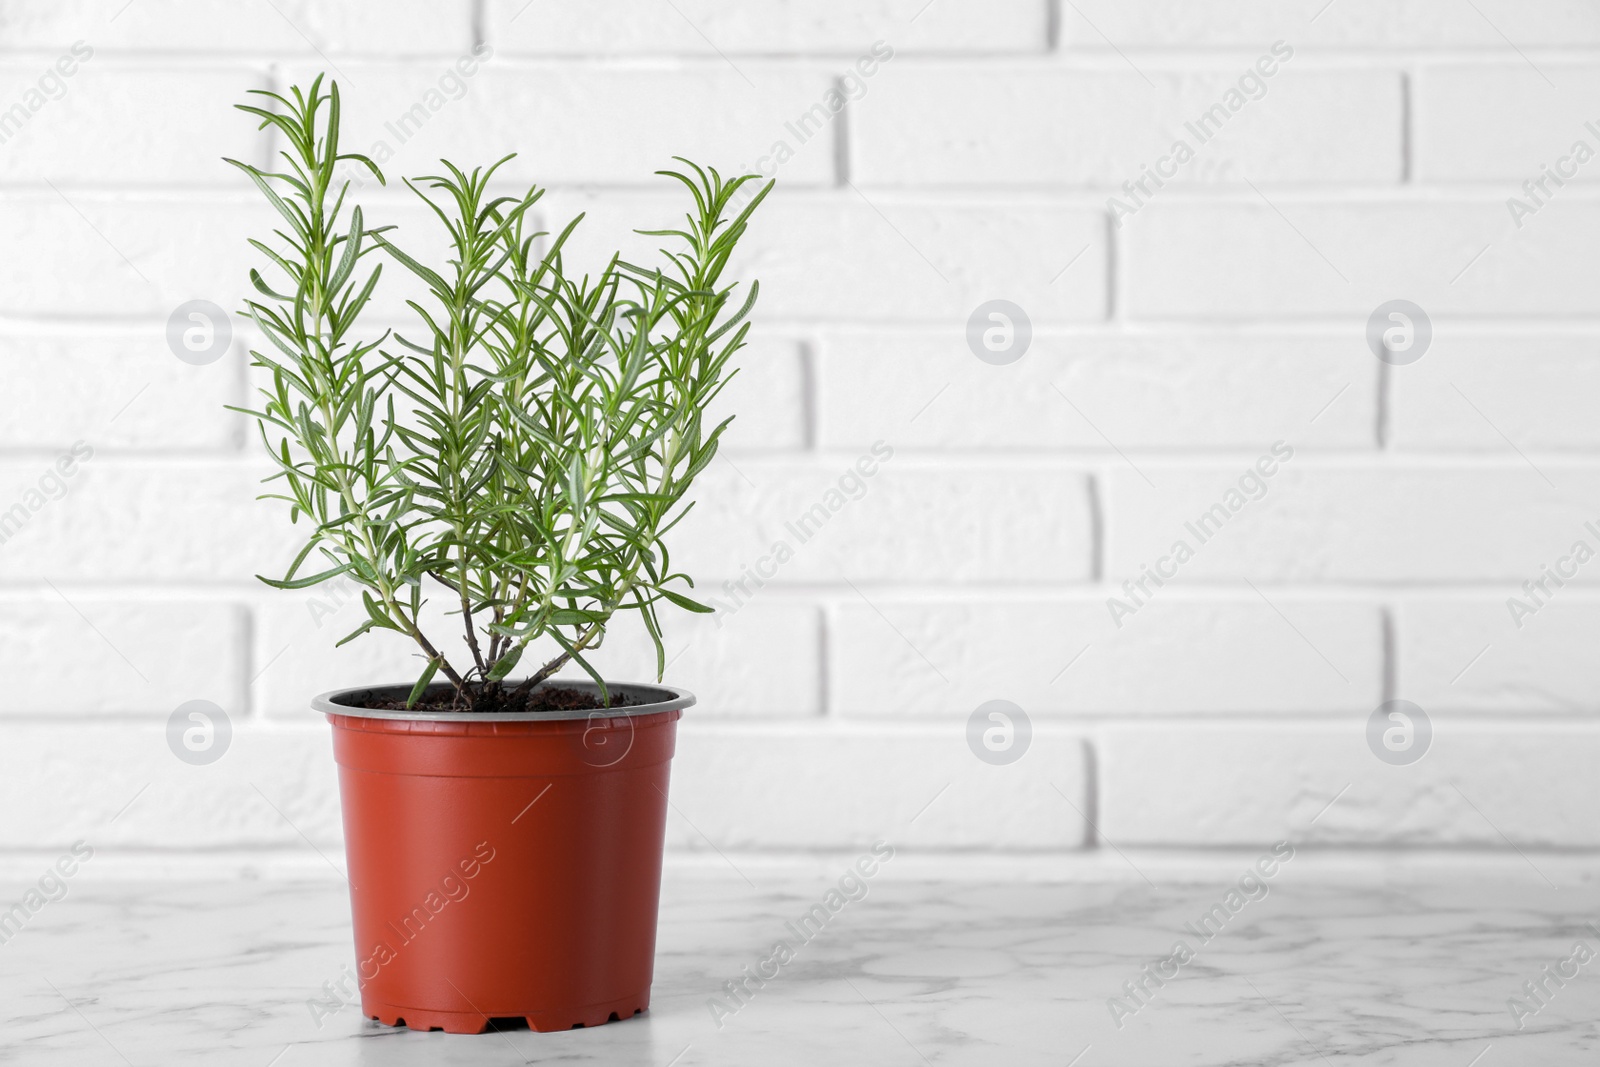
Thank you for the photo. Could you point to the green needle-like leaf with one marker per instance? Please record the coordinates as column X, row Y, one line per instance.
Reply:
column 520, row 456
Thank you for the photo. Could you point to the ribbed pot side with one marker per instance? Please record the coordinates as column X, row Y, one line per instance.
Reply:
column 505, row 866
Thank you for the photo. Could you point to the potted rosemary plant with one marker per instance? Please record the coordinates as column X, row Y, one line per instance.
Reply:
column 517, row 459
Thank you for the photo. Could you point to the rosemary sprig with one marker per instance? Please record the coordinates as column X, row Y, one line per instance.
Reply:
column 527, row 448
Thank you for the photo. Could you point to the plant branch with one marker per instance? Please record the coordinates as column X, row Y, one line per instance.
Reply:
column 550, row 421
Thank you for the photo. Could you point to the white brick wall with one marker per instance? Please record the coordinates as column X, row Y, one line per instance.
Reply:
column 1183, row 388
column 1217, row 655
column 704, row 27
column 1172, row 346
column 1363, row 25
column 1496, row 123
column 1042, row 125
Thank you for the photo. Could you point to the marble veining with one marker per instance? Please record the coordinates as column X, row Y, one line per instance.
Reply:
column 1329, row 970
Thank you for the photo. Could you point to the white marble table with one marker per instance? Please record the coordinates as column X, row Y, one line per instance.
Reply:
column 1333, row 967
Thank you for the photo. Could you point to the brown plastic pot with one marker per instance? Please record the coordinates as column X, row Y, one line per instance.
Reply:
column 504, row 866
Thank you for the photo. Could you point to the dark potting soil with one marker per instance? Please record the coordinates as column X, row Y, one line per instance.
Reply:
column 544, row 698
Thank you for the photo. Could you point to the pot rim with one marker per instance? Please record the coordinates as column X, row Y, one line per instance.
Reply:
column 666, row 698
